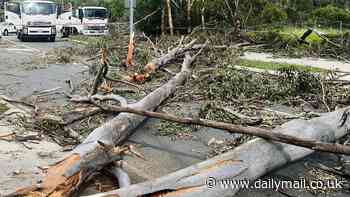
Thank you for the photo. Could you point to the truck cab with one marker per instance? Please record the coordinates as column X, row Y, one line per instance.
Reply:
column 91, row 21
column 33, row 19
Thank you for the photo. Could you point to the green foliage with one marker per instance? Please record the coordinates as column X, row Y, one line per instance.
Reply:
column 145, row 7
column 332, row 13
column 273, row 13
column 116, row 8
column 230, row 83
column 218, row 14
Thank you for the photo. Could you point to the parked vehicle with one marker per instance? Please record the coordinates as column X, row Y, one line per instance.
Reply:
column 91, row 21
column 37, row 18
column 7, row 28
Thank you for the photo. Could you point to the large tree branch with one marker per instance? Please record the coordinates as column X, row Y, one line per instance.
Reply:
column 66, row 177
column 253, row 131
column 156, row 63
column 247, row 162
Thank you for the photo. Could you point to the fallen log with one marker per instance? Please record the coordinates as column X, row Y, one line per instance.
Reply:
column 252, row 131
column 247, row 162
column 65, row 177
column 156, row 63
column 122, row 176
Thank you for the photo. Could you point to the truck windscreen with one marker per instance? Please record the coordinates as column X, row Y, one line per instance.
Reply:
column 95, row 13
column 37, row 8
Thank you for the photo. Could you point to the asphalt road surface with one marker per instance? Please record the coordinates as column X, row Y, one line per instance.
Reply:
column 20, row 76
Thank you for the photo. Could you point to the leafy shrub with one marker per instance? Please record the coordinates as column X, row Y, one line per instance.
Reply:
column 272, row 13
column 332, row 13
column 230, row 83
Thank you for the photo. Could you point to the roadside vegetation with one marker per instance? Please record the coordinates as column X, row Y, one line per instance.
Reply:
column 277, row 66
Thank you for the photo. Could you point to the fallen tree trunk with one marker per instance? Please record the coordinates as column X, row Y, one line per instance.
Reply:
column 156, row 63
column 65, row 177
column 122, row 176
column 247, row 162
column 252, row 131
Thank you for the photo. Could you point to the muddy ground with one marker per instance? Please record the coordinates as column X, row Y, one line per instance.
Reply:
column 22, row 76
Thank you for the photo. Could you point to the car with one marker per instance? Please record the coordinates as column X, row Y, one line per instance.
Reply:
column 7, row 28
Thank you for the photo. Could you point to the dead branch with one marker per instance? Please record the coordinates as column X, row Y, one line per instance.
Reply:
column 121, row 175
column 89, row 113
column 109, row 97
column 253, row 131
column 129, row 59
column 10, row 100
column 122, row 81
column 147, row 16
column 156, row 63
column 101, row 73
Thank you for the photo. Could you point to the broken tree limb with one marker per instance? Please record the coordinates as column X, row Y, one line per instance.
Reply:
column 147, row 16
column 65, row 177
column 247, row 162
column 109, row 97
column 121, row 175
column 101, row 72
column 130, row 57
column 253, row 131
column 156, row 63
column 124, row 82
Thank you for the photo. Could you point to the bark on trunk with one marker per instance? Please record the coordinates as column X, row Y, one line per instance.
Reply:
column 249, row 161
column 162, row 25
column 202, row 15
column 189, row 22
column 130, row 56
column 156, row 63
column 65, row 177
column 170, row 17
column 247, row 130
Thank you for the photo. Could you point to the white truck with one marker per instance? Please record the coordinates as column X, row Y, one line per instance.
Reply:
column 91, row 21
column 36, row 18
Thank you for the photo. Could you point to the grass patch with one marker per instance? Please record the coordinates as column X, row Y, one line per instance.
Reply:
column 277, row 66
column 3, row 108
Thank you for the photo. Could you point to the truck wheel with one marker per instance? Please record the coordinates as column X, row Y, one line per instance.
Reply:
column 24, row 38
column 52, row 39
column 20, row 37
column 6, row 32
